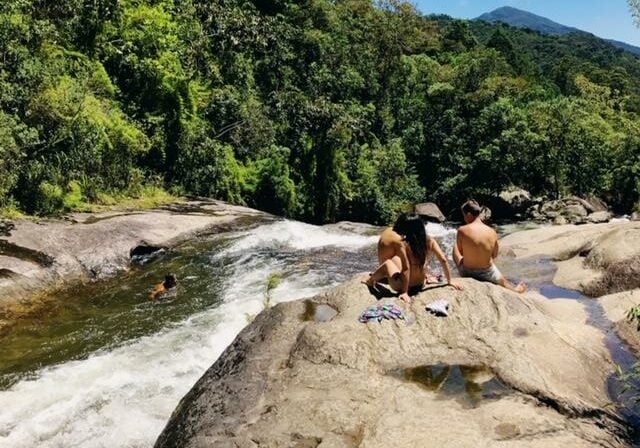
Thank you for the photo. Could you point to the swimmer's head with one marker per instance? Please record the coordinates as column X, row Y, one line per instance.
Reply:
column 170, row 280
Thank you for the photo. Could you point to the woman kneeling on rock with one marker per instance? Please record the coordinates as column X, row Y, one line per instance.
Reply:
column 403, row 253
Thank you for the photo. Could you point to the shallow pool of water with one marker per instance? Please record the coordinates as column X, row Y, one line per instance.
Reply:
column 318, row 312
column 471, row 385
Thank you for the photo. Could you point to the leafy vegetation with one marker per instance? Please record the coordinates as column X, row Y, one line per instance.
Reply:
column 317, row 109
column 272, row 283
column 634, row 316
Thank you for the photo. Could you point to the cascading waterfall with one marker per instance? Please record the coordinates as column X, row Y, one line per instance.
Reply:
column 123, row 394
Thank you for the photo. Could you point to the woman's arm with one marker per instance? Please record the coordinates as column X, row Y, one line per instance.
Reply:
column 435, row 247
column 405, row 271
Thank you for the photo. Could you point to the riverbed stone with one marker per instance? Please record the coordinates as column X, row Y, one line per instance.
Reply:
column 573, row 209
column 616, row 245
column 560, row 220
column 287, row 382
column 510, row 204
column 6, row 227
column 429, row 211
column 599, row 217
column 516, row 198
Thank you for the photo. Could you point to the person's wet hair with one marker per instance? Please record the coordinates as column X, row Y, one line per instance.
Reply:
column 472, row 207
column 170, row 280
column 412, row 229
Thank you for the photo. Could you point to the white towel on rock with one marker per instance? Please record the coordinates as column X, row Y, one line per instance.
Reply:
column 439, row 308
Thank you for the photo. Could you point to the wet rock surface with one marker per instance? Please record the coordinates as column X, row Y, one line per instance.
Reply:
column 536, row 371
column 584, row 254
column 37, row 256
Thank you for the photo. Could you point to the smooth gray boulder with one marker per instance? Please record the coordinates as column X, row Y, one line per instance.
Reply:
column 516, row 198
column 600, row 217
column 429, row 211
column 616, row 306
column 511, row 203
column 290, row 382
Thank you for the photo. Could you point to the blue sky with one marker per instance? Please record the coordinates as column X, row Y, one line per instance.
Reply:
column 605, row 18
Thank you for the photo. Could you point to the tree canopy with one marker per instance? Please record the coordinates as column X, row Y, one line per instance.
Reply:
column 315, row 109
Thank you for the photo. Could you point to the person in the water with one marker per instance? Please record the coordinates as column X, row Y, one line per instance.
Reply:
column 161, row 289
column 476, row 248
column 404, row 251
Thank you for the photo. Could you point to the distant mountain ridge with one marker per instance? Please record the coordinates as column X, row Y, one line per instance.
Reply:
column 524, row 19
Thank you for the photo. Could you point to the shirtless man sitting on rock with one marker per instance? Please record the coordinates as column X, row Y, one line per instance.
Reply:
column 476, row 249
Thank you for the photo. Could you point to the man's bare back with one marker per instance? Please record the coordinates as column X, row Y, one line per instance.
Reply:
column 476, row 249
column 478, row 243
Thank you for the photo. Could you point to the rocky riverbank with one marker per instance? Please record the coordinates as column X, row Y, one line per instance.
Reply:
column 597, row 259
column 36, row 257
column 287, row 381
column 502, row 368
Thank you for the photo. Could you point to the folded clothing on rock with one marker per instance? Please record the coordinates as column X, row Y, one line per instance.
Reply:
column 379, row 312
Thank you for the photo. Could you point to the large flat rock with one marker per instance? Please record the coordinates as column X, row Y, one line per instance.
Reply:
column 287, row 382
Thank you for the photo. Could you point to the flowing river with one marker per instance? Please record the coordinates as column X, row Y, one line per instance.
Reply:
column 106, row 367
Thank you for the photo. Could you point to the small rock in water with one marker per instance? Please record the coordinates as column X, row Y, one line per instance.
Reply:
column 559, row 220
column 429, row 211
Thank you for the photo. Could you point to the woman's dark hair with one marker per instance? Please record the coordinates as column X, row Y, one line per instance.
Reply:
column 412, row 229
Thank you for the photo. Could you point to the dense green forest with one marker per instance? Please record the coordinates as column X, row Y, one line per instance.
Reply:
column 316, row 109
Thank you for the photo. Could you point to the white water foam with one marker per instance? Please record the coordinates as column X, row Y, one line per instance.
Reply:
column 124, row 397
column 300, row 236
column 446, row 236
